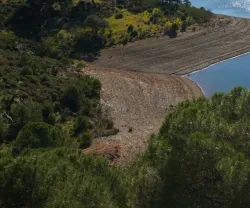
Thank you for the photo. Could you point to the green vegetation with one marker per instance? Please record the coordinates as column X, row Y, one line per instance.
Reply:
column 57, row 178
column 79, row 29
column 200, row 158
column 202, row 153
column 36, row 88
column 49, row 112
column 38, row 79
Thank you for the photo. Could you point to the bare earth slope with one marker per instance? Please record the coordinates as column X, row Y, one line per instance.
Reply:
column 223, row 38
column 138, row 101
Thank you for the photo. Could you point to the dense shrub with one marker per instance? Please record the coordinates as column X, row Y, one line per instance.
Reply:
column 96, row 23
column 22, row 114
column 81, row 125
column 183, row 27
column 85, row 139
column 36, row 89
column 156, row 14
column 118, row 16
column 39, row 135
column 51, row 119
column 130, row 28
column 2, row 132
column 58, row 178
column 48, row 109
column 78, row 93
column 202, row 153
column 199, row 15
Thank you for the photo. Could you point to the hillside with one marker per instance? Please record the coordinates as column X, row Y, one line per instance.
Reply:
column 224, row 37
column 43, row 45
column 79, row 29
column 59, row 114
column 200, row 158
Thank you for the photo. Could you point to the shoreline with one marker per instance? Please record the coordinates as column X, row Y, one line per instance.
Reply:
column 221, row 39
column 187, row 75
column 203, row 92
column 227, row 59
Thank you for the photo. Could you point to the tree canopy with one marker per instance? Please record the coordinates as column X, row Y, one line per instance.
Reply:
column 200, row 158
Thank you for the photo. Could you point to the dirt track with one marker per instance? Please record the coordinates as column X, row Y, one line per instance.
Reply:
column 138, row 101
column 223, row 38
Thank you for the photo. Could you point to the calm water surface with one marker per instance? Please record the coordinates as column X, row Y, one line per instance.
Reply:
column 222, row 77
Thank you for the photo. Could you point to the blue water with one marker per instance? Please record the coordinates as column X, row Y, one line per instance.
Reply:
column 222, row 77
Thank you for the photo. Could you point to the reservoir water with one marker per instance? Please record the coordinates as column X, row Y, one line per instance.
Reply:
column 223, row 76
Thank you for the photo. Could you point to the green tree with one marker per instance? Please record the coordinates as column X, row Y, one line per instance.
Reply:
column 60, row 177
column 23, row 114
column 78, row 94
column 96, row 23
column 201, row 154
column 46, row 7
column 39, row 135
column 85, row 139
column 72, row 98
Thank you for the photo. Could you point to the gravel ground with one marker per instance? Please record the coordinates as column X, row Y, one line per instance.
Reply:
column 142, row 80
column 138, row 103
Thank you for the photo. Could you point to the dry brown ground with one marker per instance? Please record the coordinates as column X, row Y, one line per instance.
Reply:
column 138, row 101
column 222, row 38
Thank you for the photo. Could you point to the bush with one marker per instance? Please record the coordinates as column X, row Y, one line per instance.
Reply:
column 167, row 28
column 156, row 13
column 130, row 28
column 175, row 27
column 77, row 94
column 51, row 119
column 96, row 23
column 173, row 30
column 48, row 109
column 183, row 27
column 26, row 71
column 118, row 16
column 73, row 98
column 81, row 125
column 23, row 114
column 39, row 135
column 134, row 34
column 2, row 131
column 52, row 178
column 57, row 106
column 85, row 140
column 80, row 66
